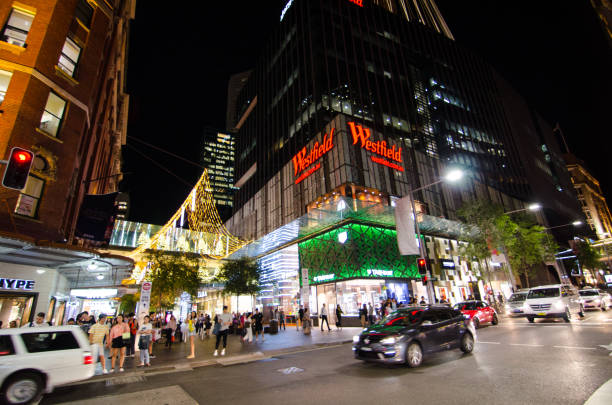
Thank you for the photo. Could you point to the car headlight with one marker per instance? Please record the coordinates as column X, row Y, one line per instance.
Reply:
column 356, row 339
column 391, row 340
column 559, row 305
column 597, row 301
column 525, row 305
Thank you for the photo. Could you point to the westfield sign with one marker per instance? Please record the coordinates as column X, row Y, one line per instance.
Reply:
column 304, row 160
column 362, row 136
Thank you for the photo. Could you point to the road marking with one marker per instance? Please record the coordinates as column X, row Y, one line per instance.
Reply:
column 575, row 347
column 125, row 380
column 490, row 343
column 290, row 370
column 525, row 344
column 607, row 347
column 166, row 395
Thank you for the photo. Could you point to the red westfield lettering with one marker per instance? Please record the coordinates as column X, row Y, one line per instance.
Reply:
column 358, row 2
column 302, row 160
column 362, row 135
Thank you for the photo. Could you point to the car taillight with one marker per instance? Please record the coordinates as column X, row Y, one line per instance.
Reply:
column 87, row 358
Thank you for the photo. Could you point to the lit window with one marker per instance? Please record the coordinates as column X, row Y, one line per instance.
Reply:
column 17, row 27
column 5, row 78
column 69, row 56
column 53, row 115
column 84, row 12
column 29, row 199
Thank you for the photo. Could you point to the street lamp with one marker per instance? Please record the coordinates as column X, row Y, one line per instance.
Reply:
column 530, row 207
column 575, row 223
column 451, row 176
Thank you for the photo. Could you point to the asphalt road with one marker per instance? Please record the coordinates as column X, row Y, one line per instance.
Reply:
column 549, row 362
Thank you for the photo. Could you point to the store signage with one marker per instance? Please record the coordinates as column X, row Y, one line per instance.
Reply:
column 362, row 136
column 145, row 300
column 608, row 278
column 357, row 2
column 202, row 294
column 93, row 293
column 380, row 273
column 304, row 160
column 285, row 9
column 324, row 277
column 448, row 264
column 16, row 284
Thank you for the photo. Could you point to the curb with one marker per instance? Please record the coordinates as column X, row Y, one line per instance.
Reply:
column 225, row 361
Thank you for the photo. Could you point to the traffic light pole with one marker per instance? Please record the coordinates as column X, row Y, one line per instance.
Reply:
column 429, row 285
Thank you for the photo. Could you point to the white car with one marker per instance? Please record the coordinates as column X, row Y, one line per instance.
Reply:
column 514, row 305
column 552, row 301
column 595, row 298
column 35, row 360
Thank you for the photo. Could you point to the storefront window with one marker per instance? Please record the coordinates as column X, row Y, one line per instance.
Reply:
column 15, row 308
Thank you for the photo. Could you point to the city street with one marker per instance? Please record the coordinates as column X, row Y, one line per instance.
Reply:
column 549, row 362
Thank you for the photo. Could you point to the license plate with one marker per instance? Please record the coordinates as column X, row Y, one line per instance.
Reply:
column 542, row 313
column 366, row 349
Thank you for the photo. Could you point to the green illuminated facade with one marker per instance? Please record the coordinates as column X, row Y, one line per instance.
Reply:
column 355, row 251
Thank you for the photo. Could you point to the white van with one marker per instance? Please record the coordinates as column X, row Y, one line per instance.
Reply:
column 35, row 360
column 552, row 301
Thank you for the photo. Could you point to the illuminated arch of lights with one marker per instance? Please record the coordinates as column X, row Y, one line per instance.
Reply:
column 195, row 227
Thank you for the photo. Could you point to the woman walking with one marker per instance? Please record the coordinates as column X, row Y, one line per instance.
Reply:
column 339, row 317
column 170, row 330
column 191, row 332
column 248, row 327
column 120, row 337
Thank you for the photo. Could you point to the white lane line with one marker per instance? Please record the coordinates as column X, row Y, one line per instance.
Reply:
column 525, row 344
column 575, row 347
column 490, row 343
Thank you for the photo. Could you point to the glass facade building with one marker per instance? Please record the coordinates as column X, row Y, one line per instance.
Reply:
column 218, row 158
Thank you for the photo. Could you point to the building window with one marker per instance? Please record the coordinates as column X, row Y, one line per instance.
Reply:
column 29, row 199
column 84, row 12
column 17, row 27
column 53, row 115
column 69, row 56
column 5, row 78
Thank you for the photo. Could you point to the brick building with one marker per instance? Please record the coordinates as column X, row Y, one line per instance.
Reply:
column 62, row 96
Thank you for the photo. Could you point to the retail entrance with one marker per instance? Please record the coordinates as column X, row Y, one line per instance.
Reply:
column 16, row 307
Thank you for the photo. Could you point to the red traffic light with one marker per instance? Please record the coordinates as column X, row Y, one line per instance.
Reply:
column 422, row 262
column 17, row 168
column 422, row 266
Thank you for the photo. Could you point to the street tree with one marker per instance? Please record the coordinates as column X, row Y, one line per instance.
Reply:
column 587, row 256
column 241, row 277
column 172, row 274
column 127, row 303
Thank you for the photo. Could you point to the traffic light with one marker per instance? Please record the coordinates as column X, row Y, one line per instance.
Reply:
column 17, row 168
column 422, row 265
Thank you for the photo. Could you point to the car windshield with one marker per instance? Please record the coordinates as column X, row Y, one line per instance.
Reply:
column 403, row 317
column 544, row 293
column 466, row 306
column 517, row 297
column 588, row 293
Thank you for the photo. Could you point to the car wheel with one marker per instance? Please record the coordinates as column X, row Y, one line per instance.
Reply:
column 24, row 388
column 567, row 316
column 581, row 313
column 530, row 319
column 476, row 322
column 603, row 306
column 414, row 355
column 494, row 321
column 467, row 343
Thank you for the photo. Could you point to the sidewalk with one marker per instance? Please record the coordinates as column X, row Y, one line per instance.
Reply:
column 284, row 340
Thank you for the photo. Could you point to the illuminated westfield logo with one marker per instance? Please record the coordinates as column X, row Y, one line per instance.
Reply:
column 303, row 160
column 358, row 2
column 362, row 136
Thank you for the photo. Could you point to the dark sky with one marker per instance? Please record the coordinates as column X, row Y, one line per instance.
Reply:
column 553, row 52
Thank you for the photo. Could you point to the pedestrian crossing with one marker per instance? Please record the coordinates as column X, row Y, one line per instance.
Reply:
column 173, row 394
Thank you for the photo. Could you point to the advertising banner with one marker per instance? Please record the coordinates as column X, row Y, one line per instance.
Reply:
column 145, row 300
column 405, row 226
column 96, row 218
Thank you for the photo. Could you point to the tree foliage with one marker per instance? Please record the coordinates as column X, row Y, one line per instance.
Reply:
column 587, row 256
column 171, row 275
column 128, row 303
column 241, row 277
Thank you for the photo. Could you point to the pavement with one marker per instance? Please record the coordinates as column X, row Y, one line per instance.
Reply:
column 514, row 362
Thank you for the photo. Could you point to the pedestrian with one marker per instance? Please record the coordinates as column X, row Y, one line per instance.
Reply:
column 394, row 304
column 38, row 322
column 208, row 325
column 306, row 322
column 225, row 320
column 370, row 313
column 423, row 302
column 258, row 318
column 133, row 325
column 300, row 318
column 281, row 319
column 170, row 331
column 12, row 324
column 120, row 338
column 323, row 314
column 339, row 316
column 191, row 333
column 97, row 334
column 248, row 327
column 71, row 321
column 202, row 323
column 363, row 314
column 146, row 334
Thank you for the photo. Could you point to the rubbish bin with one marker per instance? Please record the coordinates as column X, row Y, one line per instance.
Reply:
column 273, row 328
column 315, row 321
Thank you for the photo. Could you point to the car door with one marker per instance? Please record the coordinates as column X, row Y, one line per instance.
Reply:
column 9, row 360
column 430, row 335
column 487, row 311
column 448, row 327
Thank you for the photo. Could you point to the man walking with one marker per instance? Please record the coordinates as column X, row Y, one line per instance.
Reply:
column 300, row 318
column 281, row 319
column 97, row 333
column 258, row 319
column 323, row 315
column 225, row 320
column 370, row 314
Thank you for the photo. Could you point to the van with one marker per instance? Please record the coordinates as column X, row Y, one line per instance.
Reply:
column 35, row 360
column 552, row 301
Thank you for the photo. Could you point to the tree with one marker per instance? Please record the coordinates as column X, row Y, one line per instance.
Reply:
column 241, row 277
column 172, row 274
column 586, row 255
column 128, row 303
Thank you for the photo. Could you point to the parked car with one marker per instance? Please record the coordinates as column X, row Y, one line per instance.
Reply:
column 406, row 335
column 594, row 298
column 478, row 311
column 552, row 301
column 35, row 360
column 514, row 305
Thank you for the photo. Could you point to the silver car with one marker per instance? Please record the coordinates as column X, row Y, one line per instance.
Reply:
column 594, row 298
column 514, row 305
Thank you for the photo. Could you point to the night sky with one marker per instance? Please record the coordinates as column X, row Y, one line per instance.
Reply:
column 553, row 52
